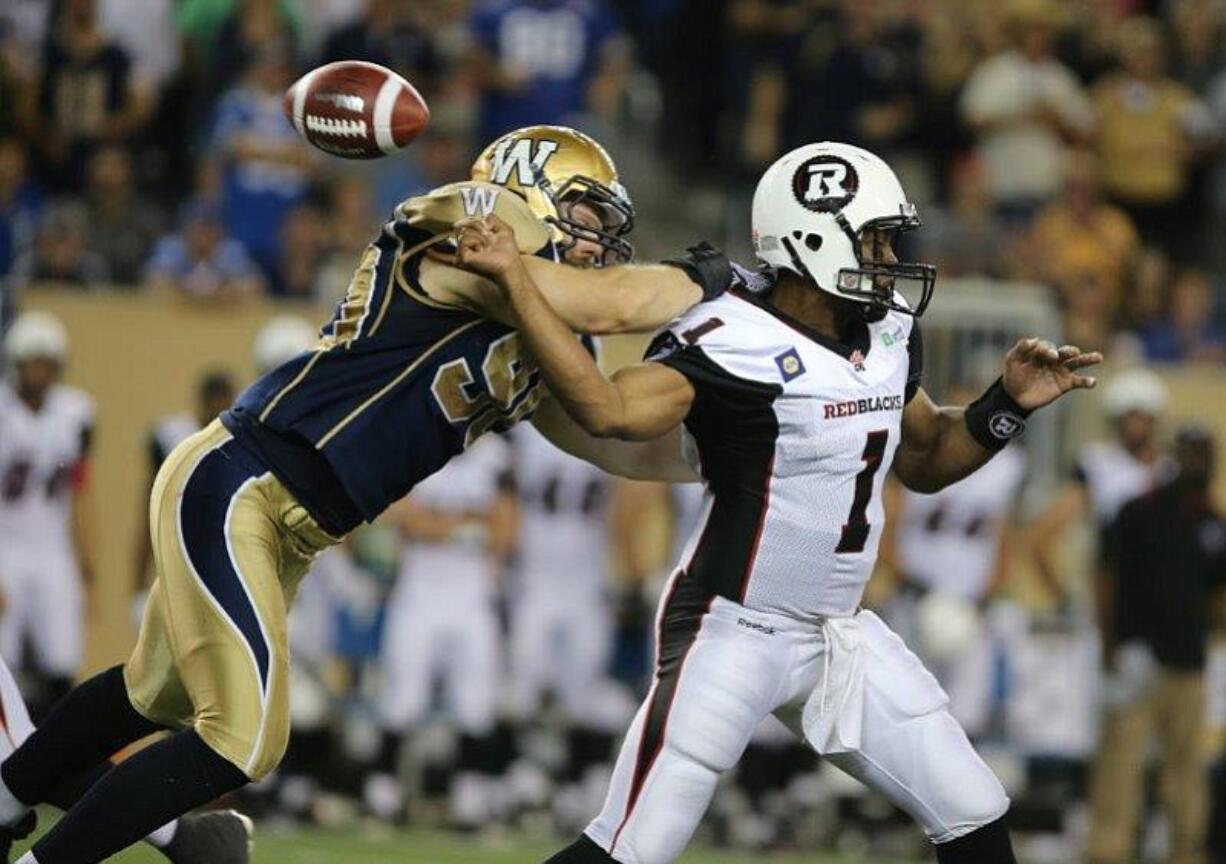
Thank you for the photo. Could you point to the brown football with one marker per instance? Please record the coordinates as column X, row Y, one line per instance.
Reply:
column 356, row 110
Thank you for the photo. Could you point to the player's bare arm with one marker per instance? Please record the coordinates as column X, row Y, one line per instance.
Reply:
column 941, row 445
column 660, row 459
column 639, row 403
column 625, row 299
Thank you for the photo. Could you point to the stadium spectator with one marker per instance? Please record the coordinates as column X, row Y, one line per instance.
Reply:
column 1188, row 331
column 20, row 204
column 251, row 30
column 123, row 223
column 84, row 97
column 202, row 262
column 392, row 34
column 1021, row 103
column 145, row 29
column 864, row 89
column 265, row 171
column 1080, row 231
column 1197, row 28
column 1166, row 557
column 964, row 237
column 351, row 223
column 1149, row 129
column 61, row 253
column 304, row 244
column 546, row 61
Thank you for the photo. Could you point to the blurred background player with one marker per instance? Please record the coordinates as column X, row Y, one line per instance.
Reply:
column 459, row 527
column 559, row 611
column 1107, row 473
column 949, row 553
column 214, row 393
column 46, row 542
column 1165, row 565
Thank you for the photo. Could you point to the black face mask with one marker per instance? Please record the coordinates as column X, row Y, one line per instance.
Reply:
column 613, row 205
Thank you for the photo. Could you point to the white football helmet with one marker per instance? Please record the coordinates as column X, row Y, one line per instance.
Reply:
column 809, row 210
column 36, row 334
column 1135, row 390
column 282, row 339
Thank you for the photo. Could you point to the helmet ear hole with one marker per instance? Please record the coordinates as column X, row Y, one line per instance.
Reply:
column 813, row 242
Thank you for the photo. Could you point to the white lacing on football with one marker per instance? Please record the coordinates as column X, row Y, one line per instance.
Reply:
column 337, row 128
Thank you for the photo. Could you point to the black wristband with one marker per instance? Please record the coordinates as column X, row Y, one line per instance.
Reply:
column 995, row 418
column 707, row 267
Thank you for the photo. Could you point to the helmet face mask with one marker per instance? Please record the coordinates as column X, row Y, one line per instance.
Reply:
column 832, row 214
column 555, row 168
column 610, row 203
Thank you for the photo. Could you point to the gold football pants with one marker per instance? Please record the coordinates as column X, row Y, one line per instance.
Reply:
column 231, row 545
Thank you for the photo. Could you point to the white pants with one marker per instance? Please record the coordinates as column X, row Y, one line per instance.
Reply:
column 430, row 634
column 722, row 668
column 44, row 604
column 559, row 644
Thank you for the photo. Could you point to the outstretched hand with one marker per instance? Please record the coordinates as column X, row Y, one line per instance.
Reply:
column 486, row 245
column 1038, row 373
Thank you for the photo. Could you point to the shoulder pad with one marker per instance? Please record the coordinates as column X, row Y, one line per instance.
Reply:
column 437, row 212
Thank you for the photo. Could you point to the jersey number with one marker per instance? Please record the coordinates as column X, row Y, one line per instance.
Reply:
column 508, row 376
column 855, row 529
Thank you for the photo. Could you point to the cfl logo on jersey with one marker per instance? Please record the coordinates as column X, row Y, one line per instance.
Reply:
column 525, row 156
column 790, row 365
column 1005, row 425
column 825, row 184
column 479, row 200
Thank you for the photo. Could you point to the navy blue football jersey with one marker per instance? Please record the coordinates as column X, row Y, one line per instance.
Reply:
column 399, row 382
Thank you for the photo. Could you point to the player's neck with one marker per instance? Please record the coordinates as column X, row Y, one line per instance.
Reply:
column 811, row 307
column 32, row 398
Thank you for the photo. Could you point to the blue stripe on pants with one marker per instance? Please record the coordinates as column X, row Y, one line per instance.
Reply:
column 202, row 519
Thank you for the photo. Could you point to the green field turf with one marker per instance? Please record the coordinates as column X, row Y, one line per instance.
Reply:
column 430, row 847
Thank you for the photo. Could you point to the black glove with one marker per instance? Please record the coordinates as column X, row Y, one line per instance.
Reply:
column 707, row 267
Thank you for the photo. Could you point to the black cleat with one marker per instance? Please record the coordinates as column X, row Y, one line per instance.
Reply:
column 216, row 837
column 20, row 830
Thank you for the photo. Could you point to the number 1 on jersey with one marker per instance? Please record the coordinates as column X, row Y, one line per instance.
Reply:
column 855, row 529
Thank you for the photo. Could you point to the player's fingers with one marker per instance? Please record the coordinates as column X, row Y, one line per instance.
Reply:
column 1046, row 351
column 1023, row 349
column 1069, row 351
column 1083, row 360
column 1084, row 382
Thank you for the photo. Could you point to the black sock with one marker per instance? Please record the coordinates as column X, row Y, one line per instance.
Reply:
column 582, row 851
column 389, row 753
column 165, row 780
column 85, row 728
column 987, row 845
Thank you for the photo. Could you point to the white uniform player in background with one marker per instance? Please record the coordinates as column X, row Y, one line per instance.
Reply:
column 948, row 551
column 459, row 527
column 792, row 405
column 46, row 559
column 559, row 599
column 1053, row 701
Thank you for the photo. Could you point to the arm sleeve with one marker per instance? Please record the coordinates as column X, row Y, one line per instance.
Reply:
column 915, row 360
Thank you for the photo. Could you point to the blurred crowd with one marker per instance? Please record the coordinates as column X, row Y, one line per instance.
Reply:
column 1076, row 144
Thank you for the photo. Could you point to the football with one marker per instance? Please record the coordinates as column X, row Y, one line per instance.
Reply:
column 356, row 110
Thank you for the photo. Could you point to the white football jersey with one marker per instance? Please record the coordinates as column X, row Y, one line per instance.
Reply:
column 949, row 541
column 1113, row 477
column 470, row 482
column 39, row 454
column 563, row 537
column 793, row 434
